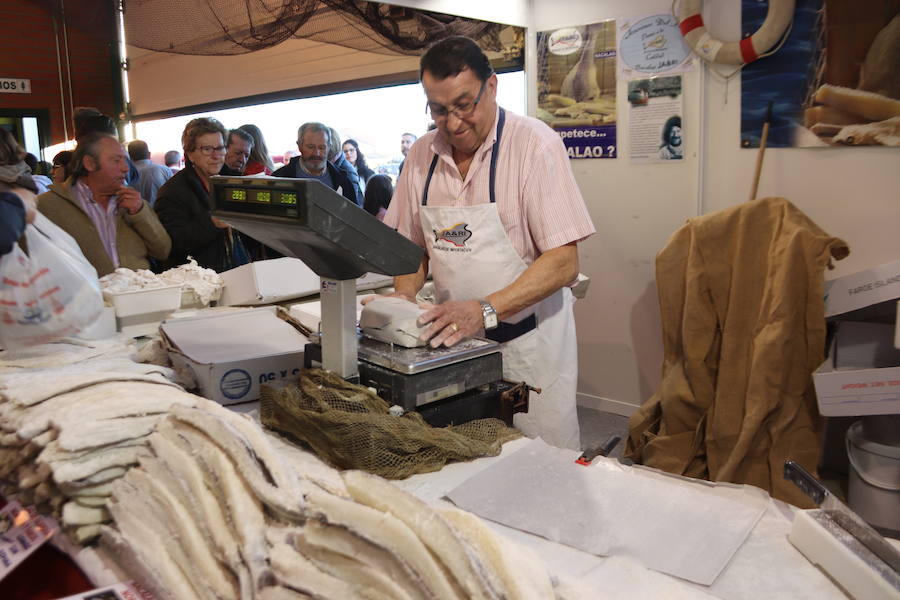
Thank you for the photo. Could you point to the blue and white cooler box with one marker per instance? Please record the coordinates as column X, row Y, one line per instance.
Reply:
column 234, row 352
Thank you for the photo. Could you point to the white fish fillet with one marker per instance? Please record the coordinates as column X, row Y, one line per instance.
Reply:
column 522, row 574
column 460, row 560
column 155, row 483
column 300, row 574
column 352, row 559
column 280, row 593
column 33, row 387
column 96, row 462
column 106, row 431
column 76, row 514
column 309, row 466
column 391, row 534
column 239, row 504
column 146, row 561
column 287, row 504
column 207, row 510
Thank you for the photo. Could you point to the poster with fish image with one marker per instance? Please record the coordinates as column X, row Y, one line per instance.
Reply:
column 835, row 81
column 577, row 87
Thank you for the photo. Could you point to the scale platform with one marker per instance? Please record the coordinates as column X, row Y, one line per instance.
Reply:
column 415, row 377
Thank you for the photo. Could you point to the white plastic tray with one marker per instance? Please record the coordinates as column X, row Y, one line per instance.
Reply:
column 140, row 302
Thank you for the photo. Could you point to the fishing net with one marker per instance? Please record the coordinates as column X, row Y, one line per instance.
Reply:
column 222, row 27
column 350, row 427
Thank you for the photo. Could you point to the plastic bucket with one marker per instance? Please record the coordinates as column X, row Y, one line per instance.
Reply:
column 874, row 486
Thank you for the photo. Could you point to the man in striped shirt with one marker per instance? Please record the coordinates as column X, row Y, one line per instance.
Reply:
column 492, row 199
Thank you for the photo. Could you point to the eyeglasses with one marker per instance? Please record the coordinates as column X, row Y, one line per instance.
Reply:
column 207, row 150
column 463, row 110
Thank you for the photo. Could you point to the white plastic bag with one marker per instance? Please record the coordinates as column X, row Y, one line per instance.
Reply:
column 49, row 293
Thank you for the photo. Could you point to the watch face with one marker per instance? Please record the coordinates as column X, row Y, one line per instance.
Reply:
column 489, row 315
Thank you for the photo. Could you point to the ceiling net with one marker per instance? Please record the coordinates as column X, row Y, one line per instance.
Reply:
column 222, row 27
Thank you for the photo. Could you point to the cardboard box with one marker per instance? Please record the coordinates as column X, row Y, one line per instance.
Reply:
column 851, row 392
column 233, row 353
column 862, row 289
column 268, row 281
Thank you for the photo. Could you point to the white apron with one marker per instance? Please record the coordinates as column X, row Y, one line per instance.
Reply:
column 470, row 257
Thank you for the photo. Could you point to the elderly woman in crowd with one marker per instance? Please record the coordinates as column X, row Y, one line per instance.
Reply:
column 355, row 157
column 182, row 203
column 110, row 221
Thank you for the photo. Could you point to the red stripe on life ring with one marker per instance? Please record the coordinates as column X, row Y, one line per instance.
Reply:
column 691, row 23
column 748, row 53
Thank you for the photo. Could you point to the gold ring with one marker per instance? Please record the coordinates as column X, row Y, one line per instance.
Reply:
column 454, row 327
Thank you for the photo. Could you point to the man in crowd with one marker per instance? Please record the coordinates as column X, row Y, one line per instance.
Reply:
column 406, row 142
column 111, row 223
column 237, row 152
column 338, row 159
column 87, row 120
column 152, row 175
column 491, row 198
column 173, row 160
column 312, row 140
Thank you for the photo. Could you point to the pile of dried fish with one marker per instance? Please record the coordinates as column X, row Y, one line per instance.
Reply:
column 196, row 501
column 73, row 417
column 218, row 509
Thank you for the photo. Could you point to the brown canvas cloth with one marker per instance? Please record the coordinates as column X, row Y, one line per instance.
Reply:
column 741, row 299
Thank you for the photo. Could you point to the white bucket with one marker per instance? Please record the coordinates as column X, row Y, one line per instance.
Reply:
column 874, row 486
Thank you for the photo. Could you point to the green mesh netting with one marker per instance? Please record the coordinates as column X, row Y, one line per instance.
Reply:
column 349, row 427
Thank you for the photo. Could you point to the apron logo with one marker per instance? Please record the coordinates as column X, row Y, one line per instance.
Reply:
column 457, row 235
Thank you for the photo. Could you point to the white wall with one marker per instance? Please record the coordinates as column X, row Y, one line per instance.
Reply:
column 850, row 192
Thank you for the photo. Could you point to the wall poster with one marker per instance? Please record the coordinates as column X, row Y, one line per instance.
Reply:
column 835, row 81
column 652, row 45
column 655, row 130
column 577, row 87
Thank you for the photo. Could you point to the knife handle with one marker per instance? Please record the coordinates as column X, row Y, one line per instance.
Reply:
column 808, row 484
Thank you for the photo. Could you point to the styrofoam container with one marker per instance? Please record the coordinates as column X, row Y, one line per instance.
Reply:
column 140, row 312
column 874, row 485
column 151, row 300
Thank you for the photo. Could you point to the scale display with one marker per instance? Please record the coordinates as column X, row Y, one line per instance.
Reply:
column 276, row 197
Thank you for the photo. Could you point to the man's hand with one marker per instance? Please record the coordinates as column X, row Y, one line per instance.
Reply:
column 129, row 199
column 219, row 223
column 451, row 322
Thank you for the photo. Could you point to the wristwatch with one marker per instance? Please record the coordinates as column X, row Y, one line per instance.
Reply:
column 489, row 315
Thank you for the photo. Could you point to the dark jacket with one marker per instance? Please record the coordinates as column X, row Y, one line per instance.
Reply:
column 228, row 171
column 12, row 220
column 338, row 179
column 182, row 204
column 343, row 165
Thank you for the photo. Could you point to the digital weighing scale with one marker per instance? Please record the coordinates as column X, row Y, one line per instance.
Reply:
column 340, row 242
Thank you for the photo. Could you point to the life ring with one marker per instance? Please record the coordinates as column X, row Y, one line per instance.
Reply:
column 734, row 53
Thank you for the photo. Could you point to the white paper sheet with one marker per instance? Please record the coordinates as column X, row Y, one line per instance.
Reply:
column 689, row 529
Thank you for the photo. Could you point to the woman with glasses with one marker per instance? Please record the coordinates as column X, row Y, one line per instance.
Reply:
column 60, row 170
column 356, row 158
column 182, row 202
